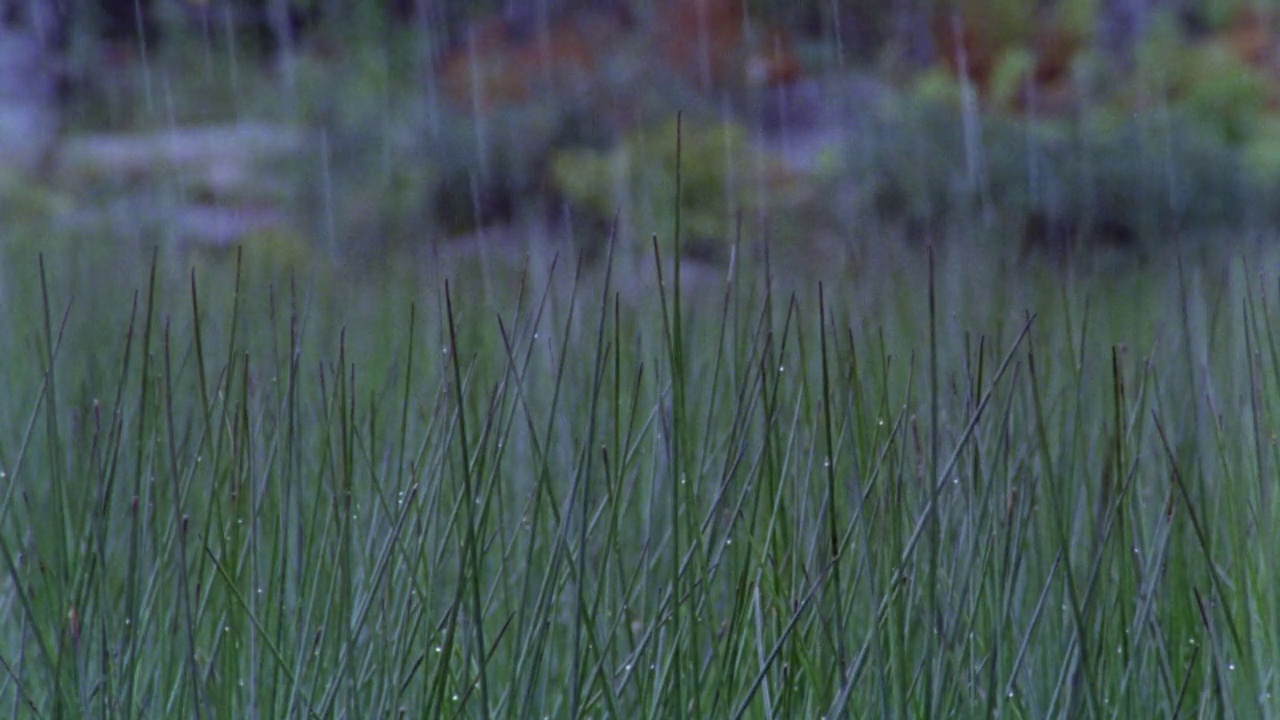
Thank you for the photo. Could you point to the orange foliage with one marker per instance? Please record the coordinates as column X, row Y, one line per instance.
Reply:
column 1252, row 38
column 1055, row 47
column 969, row 47
column 503, row 63
column 708, row 42
column 966, row 45
column 774, row 63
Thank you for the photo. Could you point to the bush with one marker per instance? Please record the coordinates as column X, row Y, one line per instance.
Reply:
column 1103, row 178
column 722, row 176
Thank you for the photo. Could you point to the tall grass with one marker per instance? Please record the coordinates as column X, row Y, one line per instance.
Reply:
column 939, row 489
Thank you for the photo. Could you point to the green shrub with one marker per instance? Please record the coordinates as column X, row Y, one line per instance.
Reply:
column 1207, row 81
column 638, row 180
column 1104, row 177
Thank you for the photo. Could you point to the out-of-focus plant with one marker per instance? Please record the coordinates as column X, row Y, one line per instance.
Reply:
column 1102, row 177
column 721, row 176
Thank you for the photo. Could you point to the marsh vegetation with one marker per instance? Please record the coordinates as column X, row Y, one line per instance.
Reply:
column 828, row 361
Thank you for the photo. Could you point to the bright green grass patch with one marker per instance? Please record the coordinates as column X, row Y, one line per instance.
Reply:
column 959, row 491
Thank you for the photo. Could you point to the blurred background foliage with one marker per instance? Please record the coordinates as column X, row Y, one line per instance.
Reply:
column 1054, row 124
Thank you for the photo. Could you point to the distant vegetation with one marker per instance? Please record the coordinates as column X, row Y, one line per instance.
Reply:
column 1051, row 125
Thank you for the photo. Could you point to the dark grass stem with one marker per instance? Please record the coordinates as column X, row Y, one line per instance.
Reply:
column 469, row 575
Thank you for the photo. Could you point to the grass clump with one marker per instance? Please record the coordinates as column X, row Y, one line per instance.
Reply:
column 226, row 498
